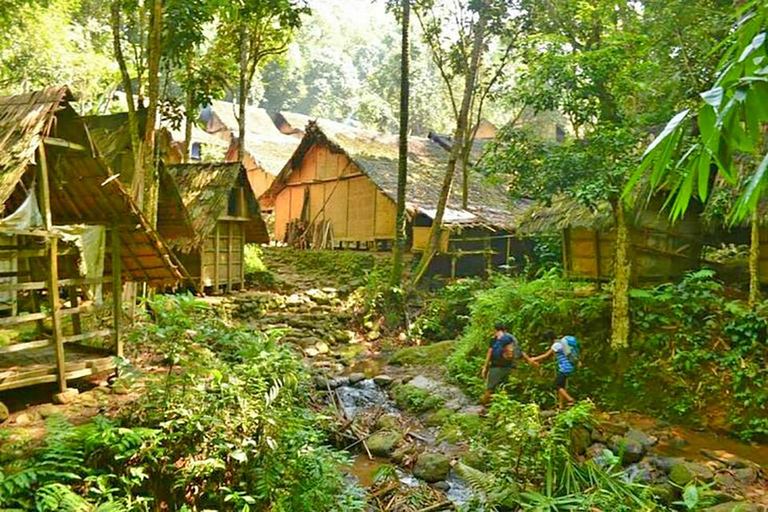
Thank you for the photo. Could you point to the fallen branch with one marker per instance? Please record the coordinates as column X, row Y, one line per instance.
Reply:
column 439, row 506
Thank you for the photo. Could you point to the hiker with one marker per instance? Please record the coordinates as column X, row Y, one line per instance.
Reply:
column 566, row 352
column 503, row 353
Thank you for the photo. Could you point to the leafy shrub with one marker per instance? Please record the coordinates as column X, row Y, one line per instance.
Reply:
column 416, row 399
column 225, row 427
column 256, row 271
column 447, row 313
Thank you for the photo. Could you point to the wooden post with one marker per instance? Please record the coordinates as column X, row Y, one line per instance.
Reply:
column 242, row 256
column 77, row 327
column 117, row 292
column 216, row 259
column 453, row 266
column 53, row 273
column 566, row 256
column 229, row 256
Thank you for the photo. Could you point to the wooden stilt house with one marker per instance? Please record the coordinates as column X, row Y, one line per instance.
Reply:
column 69, row 230
column 659, row 250
column 339, row 190
column 225, row 216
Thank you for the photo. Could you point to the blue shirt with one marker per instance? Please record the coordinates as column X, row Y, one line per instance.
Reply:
column 564, row 365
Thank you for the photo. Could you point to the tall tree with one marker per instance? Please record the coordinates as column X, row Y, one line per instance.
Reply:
column 251, row 33
column 396, row 279
column 462, row 57
column 600, row 65
column 729, row 134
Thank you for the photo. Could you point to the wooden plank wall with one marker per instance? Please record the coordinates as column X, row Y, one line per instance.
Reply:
column 358, row 211
column 259, row 180
column 231, row 256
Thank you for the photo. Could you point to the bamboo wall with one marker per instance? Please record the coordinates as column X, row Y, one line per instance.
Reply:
column 225, row 244
column 658, row 251
column 336, row 190
column 259, row 179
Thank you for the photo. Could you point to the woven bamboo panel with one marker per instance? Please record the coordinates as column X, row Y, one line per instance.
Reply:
column 316, row 200
column 337, row 196
column 421, row 237
column 282, row 214
column 386, row 211
column 362, row 194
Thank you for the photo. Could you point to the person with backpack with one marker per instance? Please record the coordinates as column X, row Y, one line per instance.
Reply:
column 566, row 352
column 503, row 353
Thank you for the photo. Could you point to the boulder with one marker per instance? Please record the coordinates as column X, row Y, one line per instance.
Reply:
column 4, row 413
column 745, row 476
column 354, row 378
column 641, row 437
column 684, row 473
column 383, row 380
column 665, row 493
column 630, row 449
column 67, row 397
column 665, row 464
column 382, row 444
column 580, row 440
column 725, row 481
column 735, row 506
column 432, row 467
column 48, row 410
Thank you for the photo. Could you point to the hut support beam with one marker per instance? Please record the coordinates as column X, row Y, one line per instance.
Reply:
column 117, row 293
column 53, row 273
column 229, row 257
column 216, row 257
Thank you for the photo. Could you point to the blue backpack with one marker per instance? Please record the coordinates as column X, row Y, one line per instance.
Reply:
column 571, row 349
column 499, row 348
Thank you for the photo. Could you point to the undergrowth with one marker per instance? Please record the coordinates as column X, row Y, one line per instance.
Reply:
column 696, row 355
column 225, row 427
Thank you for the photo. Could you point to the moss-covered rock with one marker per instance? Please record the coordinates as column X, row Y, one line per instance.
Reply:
column 415, row 399
column 438, row 417
column 434, row 354
column 432, row 467
column 685, row 472
column 382, row 444
column 388, row 422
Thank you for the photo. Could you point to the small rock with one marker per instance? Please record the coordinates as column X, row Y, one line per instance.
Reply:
column 734, row 506
column 89, row 400
column 685, row 472
column 28, row 417
column 725, row 481
column 597, row 436
column 388, row 422
column 745, row 476
column 382, row 380
column 354, row 378
column 373, row 335
column 580, row 440
column 665, row 493
column 4, row 413
column 311, row 351
column 48, row 410
column 442, row 486
column 382, row 444
column 665, row 464
column 338, row 382
column 641, row 472
column 630, row 449
column 432, row 467
column 641, row 437
column 729, row 459
column 67, row 397
column 618, row 428
column 322, row 347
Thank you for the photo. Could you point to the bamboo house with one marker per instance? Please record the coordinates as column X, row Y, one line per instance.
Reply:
column 339, row 191
column 225, row 216
column 69, row 231
column 659, row 250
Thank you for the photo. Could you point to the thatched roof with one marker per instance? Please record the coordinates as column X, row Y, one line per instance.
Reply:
column 82, row 189
column 292, row 123
column 112, row 140
column 376, row 155
column 267, row 145
column 205, row 191
column 564, row 212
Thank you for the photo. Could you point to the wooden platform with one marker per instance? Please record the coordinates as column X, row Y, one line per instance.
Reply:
column 38, row 365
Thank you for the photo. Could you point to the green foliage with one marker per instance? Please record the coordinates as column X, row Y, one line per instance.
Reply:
column 256, row 271
column 702, row 346
column 226, row 426
column 415, row 399
column 447, row 313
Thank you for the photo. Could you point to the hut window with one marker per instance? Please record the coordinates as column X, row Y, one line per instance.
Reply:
column 195, row 151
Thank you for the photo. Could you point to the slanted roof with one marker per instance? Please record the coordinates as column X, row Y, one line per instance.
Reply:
column 376, row 155
column 205, row 191
column 82, row 189
column 267, row 145
column 112, row 140
column 564, row 212
column 292, row 123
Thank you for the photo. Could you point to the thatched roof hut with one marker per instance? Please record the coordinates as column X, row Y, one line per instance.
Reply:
column 346, row 178
column 225, row 216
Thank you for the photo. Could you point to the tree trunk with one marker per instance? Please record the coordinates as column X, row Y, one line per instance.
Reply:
column 456, row 148
column 622, row 276
column 242, row 91
column 189, row 108
column 153, row 92
column 136, row 183
column 754, row 260
column 396, row 279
